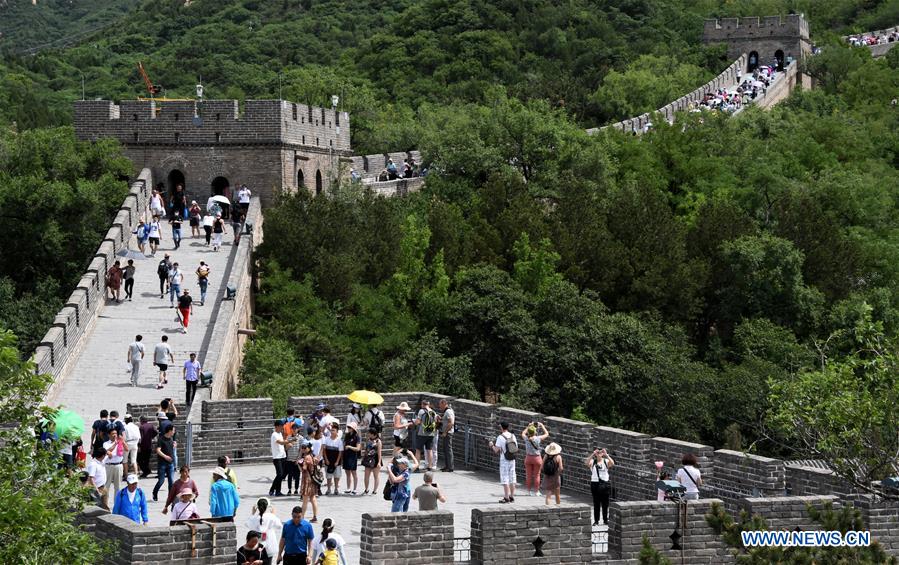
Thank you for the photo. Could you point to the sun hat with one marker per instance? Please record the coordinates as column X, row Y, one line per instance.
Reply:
column 402, row 461
column 131, row 479
column 186, row 492
column 553, row 449
column 220, row 472
column 403, row 406
column 352, row 425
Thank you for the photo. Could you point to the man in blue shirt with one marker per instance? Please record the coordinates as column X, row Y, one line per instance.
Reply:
column 131, row 503
column 296, row 540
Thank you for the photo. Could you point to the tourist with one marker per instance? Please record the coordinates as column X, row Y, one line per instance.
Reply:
column 131, row 502
column 142, row 233
column 115, row 424
column 225, row 463
column 316, row 445
column 166, row 413
column 128, row 274
column 312, row 421
column 326, row 420
column 176, row 229
column 132, row 438
column 292, row 463
column 243, row 198
column 175, row 280
column 428, row 494
column 218, row 230
column 426, row 420
column 332, row 457
column 203, row 280
column 309, row 488
column 690, row 477
column 264, row 521
column 114, row 282
column 183, row 483
column 599, row 464
column 391, row 169
column 116, row 451
column 296, row 539
column 236, row 226
column 662, row 476
column 325, row 540
column 96, row 477
column 552, row 472
column 373, row 420
column 208, row 220
column 507, row 447
column 223, row 499
column 354, row 415
column 185, row 508
column 399, row 479
column 162, row 270
column 447, row 429
column 157, row 207
column 194, row 214
column 155, row 234
column 185, row 309
column 165, row 460
column 136, row 352
column 401, row 426
column 371, row 461
column 191, row 374
column 532, row 460
column 179, row 201
column 145, row 446
column 351, row 449
column 99, row 429
column 279, row 455
column 253, row 552
column 330, row 555
column 162, row 357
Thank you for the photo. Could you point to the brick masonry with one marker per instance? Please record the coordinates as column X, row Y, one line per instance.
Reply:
column 765, row 36
column 411, row 538
column 500, row 536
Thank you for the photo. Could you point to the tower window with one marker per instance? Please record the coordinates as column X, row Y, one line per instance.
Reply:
column 218, row 137
column 218, row 117
column 177, row 137
column 294, row 112
column 176, row 116
column 134, row 117
column 136, row 137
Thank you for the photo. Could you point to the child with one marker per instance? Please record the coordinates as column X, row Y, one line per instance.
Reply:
column 662, row 476
column 329, row 556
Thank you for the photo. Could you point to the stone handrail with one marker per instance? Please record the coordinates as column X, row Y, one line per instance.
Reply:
column 74, row 320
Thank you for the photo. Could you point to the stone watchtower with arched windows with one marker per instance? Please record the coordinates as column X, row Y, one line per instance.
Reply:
column 766, row 41
column 211, row 145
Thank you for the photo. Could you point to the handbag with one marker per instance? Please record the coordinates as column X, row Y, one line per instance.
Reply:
column 388, row 490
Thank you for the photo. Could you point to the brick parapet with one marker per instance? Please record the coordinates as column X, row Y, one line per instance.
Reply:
column 412, row 538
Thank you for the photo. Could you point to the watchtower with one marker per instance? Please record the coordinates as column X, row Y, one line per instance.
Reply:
column 210, row 146
column 769, row 40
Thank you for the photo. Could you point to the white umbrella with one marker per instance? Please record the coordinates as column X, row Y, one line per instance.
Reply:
column 222, row 199
column 758, row 84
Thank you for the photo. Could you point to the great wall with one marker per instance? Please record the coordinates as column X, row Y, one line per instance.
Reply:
column 275, row 145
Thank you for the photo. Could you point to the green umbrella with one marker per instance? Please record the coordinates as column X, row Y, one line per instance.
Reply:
column 69, row 425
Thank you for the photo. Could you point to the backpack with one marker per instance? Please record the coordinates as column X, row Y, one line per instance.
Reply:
column 317, row 476
column 163, row 269
column 511, row 448
column 550, row 466
column 388, row 491
column 429, row 422
column 377, row 421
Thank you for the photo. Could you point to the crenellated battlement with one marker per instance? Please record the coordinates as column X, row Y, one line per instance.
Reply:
column 764, row 39
column 754, row 26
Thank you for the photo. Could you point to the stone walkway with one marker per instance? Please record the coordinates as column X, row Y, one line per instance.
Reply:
column 465, row 490
column 99, row 378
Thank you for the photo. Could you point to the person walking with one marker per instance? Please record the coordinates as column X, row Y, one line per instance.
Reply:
column 114, row 282
column 223, row 498
column 145, row 446
column 157, row 206
column 332, row 457
column 175, row 280
column 689, row 476
column 179, row 201
column 185, row 309
column 401, row 492
column 401, row 425
column 371, row 460
column 534, row 435
column 162, row 270
column 426, row 420
column 203, row 272
column 296, row 539
column 128, row 274
column 264, row 521
column 165, row 459
column 142, row 234
column 162, row 357
column 507, row 448
column 599, row 464
column 279, row 456
column 552, row 472
column 131, row 502
column 136, row 352
column 320, row 543
column 236, row 226
column 132, row 438
column 243, row 198
column 155, row 235
column 191, row 374
column 351, row 449
column 116, row 451
column 183, row 483
column 208, row 220
column 447, row 429
column 218, row 230
column 176, row 222
column 428, row 494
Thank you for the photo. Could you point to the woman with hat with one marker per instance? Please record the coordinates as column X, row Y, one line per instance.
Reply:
column 185, row 509
column 264, row 521
column 552, row 472
column 355, row 414
column 351, row 448
column 223, row 498
column 401, row 426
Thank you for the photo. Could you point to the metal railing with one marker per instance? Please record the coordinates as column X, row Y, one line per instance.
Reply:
column 461, row 550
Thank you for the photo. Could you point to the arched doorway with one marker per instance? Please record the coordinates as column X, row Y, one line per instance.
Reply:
column 175, row 178
column 779, row 57
column 301, row 181
column 222, row 186
column 318, row 182
column 752, row 62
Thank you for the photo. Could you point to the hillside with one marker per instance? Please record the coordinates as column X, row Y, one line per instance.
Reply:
column 29, row 25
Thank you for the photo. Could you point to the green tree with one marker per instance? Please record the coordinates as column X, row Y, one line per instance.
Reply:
column 535, row 269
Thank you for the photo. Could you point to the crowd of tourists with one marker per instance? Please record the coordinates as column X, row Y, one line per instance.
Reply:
column 391, row 171
column 868, row 39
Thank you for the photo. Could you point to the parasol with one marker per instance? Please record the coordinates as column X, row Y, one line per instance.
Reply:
column 366, row 397
column 69, row 425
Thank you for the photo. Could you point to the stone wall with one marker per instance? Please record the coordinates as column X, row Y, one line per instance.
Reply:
column 500, row 536
column 882, row 519
column 765, row 36
column 64, row 339
column 411, row 538
column 238, row 428
column 788, row 512
column 213, row 542
column 780, row 88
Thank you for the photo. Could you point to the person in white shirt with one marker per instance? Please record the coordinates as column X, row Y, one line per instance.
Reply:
column 325, row 421
column 318, row 544
column 689, row 476
column 599, row 464
column 506, row 446
column 243, row 198
column 96, row 477
column 354, row 416
column 279, row 457
column 332, row 457
column 136, row 352
column 264, row 521
column 208, row 220
column 132, row 437
column 116, row 451
column 155, row 234
column 157, row 207
column 162, row 358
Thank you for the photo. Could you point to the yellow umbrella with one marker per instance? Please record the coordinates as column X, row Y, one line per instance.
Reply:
column 366, row 397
